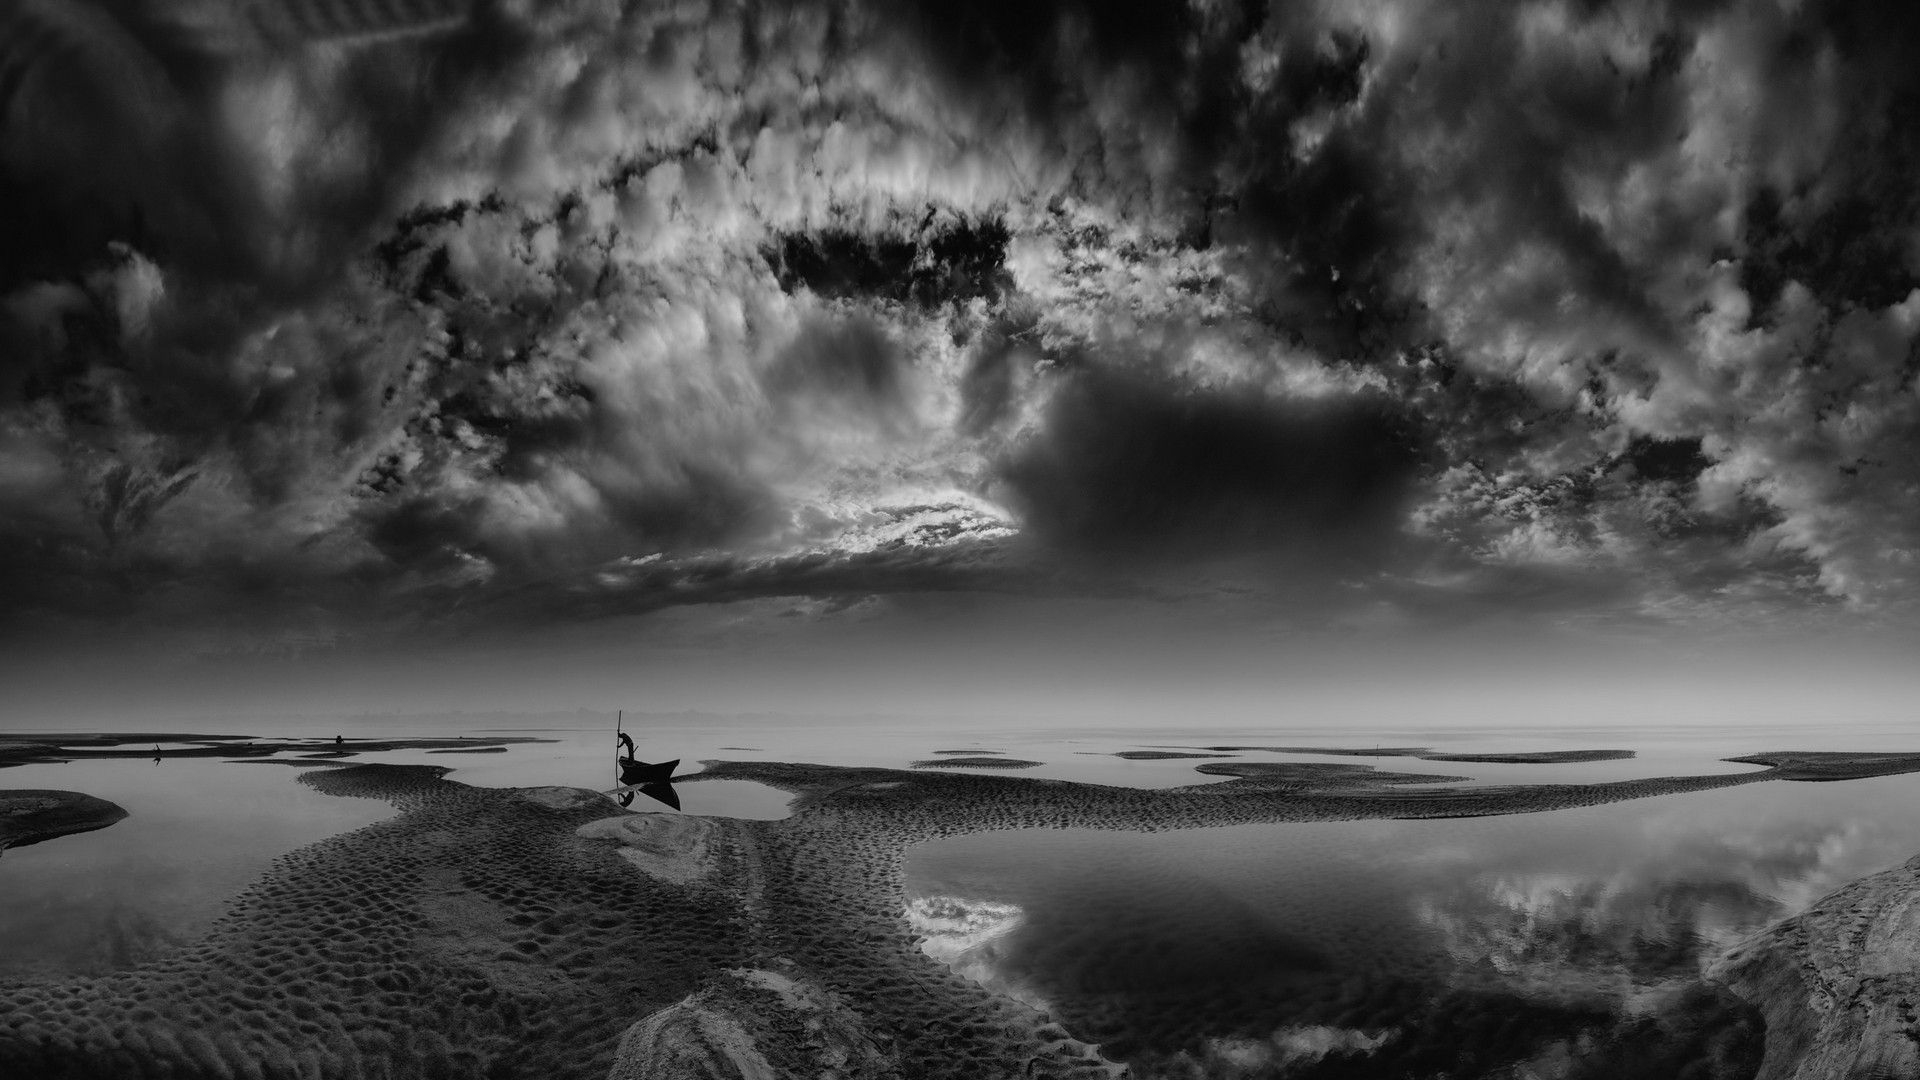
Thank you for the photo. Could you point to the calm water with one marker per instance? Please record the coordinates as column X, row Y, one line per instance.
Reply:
column 199, row 830
column 1390, row 947
column 1261, row 950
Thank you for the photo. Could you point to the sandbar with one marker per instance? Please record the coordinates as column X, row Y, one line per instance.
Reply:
column 1534, row 757
column 33, row 815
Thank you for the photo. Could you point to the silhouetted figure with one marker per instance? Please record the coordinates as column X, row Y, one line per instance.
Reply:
column 156, row 753
column 339, row 740
column 626, row 743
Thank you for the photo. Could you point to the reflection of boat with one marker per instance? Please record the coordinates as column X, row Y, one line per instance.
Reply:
column 657, row 792
column 641, row 772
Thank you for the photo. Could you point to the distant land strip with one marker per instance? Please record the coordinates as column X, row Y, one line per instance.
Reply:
column 1537, row 757
column 53, row 749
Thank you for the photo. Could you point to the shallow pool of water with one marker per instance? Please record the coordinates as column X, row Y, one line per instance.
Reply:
column 1372, row 947
column 198, row 831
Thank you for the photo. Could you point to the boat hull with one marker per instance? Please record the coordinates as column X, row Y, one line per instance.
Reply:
column 641, row 772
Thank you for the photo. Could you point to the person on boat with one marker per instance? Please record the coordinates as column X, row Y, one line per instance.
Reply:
column 626, row 743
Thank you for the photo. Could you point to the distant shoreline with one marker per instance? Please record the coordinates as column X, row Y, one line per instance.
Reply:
column 92, row 746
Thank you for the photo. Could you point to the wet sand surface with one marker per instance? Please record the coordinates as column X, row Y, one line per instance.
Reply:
column 545, row 933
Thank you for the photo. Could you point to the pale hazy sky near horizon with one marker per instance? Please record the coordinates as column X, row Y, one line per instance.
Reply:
column 1553, row 359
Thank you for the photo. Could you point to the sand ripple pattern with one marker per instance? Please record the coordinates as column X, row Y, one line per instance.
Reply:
column 474, row 935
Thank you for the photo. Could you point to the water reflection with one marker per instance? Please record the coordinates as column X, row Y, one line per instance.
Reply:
column 198, row 831
column 662, row 793
column 1546, row 945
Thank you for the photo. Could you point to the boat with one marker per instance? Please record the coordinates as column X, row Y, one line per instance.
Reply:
column 649, row 778
column 633, row 773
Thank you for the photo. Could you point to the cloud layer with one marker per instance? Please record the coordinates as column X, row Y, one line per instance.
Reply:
column 381, row 315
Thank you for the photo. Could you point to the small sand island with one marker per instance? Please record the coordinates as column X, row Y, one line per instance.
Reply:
column 544, row 933
column 29, row 816
column 1536, row 757
column 982, row 762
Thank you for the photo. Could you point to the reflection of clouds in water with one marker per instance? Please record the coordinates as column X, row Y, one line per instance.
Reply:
column 1287, row 1048
column 974, row 938
column 1682, row 899
column 68, row 932
column 968, row 936
column 1561, row 936
column 1801, row 867
column 1553, row 945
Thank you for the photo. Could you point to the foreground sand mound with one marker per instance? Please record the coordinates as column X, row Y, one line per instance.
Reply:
column 690, row 1041
column 667, row 846
column 1839, row 984
column 752, row 1025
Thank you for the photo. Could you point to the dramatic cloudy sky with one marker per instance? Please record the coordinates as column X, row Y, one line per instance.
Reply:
column 806, row 344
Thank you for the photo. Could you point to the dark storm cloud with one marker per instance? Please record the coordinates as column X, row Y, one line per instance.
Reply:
column 1848, row 237
column 1674, row 461
column 1046, row 60
column 852, row 362
column 1127, row 465
column 1545, row 306
column 204, row 133
column 948, row 261
column 989, row 382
